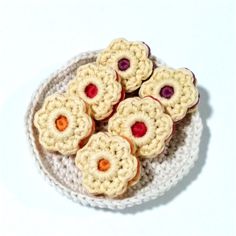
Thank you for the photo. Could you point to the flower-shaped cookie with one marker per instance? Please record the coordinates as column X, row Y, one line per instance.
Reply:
column 144, row 122
column 63, row 124
column 130, row 60
column 99, row 87
column 107, row 164
column 175, row 89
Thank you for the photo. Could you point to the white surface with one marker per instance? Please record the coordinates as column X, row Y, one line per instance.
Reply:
column 37, row 37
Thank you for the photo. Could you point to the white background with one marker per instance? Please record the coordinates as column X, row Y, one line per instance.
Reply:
column 37, row 37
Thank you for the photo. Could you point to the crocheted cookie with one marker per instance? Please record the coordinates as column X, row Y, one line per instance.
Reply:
column 130, row 60
column 144, row 122
column 62, row 124
column 99, row 87
column 175, row 89
column 107, row 164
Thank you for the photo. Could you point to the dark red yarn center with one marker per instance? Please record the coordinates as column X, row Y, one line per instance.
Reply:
column 123, row 64
column 167, row 91
column 139, row 129
column 91, row 90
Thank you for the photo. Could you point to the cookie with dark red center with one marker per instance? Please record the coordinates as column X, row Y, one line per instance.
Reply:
column 143, row 121
column 99, row 87
column 175, row 89
column 130, row 60
column 107, row 164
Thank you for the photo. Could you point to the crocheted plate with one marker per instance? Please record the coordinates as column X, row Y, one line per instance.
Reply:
column 158, row 174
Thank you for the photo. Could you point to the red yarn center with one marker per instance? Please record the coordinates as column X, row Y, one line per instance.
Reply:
column 91, row 90
column 139, row 129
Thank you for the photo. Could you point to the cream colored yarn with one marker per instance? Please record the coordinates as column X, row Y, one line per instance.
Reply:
column 123, row 166
column 109, row 89
column 137, row 53
column 158, row 175
column 80, row 125
column 147, row 110
column 185, row 92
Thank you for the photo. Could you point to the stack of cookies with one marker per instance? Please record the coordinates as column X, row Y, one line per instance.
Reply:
column 139, row 102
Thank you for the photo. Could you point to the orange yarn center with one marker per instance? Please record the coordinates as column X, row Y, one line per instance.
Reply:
column 61, row 123
column 103, row 165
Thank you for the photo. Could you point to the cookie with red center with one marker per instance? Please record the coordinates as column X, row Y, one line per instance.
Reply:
column 107, row 164
column 175, row 89
column 130, row 60
column 99, row 87
column 63, row 124
column 144, row 122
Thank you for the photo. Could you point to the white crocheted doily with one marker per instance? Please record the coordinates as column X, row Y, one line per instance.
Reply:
column 158, row 174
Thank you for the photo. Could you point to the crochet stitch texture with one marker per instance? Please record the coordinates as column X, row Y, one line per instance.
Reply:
column 80, row 125
column 180, row 85
column 122, row 168
column 158, row 175
column 130, row 60
column 105, row 81
column 146, row 111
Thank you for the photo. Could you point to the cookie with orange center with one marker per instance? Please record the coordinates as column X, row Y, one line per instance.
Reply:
column 175, row 89
column 130, row 60
column 99, row 87
column 107, row 164
column 144, row 122
column 63, row 124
